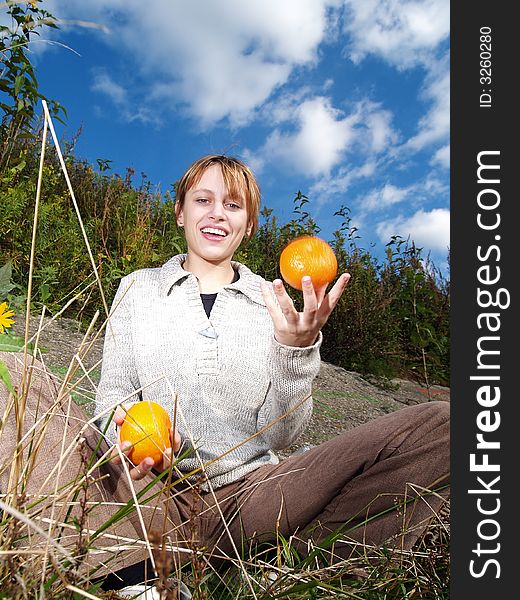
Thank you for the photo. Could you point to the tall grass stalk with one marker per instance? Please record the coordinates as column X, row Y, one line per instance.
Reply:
column 48, row 120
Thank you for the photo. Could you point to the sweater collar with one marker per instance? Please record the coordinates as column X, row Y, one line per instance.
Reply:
column 248, row 284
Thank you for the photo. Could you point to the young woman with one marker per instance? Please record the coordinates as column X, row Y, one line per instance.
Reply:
column 207, row 331
column 228, row 353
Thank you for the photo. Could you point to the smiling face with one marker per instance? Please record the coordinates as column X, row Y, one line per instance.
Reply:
column 214, row 221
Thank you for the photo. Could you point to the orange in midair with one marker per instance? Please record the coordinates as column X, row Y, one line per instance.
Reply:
column 308, row 255
column 147, row 427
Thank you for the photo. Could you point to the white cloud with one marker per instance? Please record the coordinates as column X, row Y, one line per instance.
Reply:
column 379, row 199
column 336, row 186
column 321, row 137
column 254, row 160
column 218, row 60
column 384, row 197
column 442, row 157
column 434, row 126
column 104, row 84
column 313, row 137
column 378, row 132
column 428, row 229
column 407, row 34
column 127, row 110
column 223, row 61
column 403, row 33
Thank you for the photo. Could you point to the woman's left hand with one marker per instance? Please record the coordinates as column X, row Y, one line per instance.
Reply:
column 300, row 329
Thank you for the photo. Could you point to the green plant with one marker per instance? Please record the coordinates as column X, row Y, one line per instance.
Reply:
column 19, row 88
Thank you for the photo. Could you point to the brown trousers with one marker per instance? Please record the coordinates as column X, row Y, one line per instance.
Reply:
column 378, row 483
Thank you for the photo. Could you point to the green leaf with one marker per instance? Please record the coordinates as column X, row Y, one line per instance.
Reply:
column 18, row 82
column 11, row 343
column 15, row 343
column 5, row 288
column 6, row 271
column 19, row 167
column 5, row 376
column 5, row 279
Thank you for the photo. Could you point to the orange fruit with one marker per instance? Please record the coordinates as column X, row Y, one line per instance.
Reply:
column 147, row 427
column 308, row 255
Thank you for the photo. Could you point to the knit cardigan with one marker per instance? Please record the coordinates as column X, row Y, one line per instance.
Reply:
column 225, row 377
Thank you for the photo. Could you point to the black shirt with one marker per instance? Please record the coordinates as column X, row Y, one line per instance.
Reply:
column 208, row 300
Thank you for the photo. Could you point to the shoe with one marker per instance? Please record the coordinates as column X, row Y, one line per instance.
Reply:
column 142, row 591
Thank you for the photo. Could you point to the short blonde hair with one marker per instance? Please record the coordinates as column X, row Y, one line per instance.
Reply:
column 238, row 177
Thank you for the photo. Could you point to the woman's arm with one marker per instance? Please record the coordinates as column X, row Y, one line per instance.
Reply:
column 295, row 359
column 288, row 401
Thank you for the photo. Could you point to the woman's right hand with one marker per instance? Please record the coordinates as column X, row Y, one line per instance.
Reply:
column 139, row 471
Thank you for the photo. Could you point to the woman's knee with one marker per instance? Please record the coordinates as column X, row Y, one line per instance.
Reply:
column 437, row 412
column 433, row 414
column 440, row 407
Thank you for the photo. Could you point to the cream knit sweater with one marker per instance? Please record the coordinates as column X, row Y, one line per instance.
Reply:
column 230, row 376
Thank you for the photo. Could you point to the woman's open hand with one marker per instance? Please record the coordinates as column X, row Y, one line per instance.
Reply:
column 300, row 329
column 147, row 464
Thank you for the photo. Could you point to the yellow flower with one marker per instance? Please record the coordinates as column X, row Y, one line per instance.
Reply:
column 5, row 317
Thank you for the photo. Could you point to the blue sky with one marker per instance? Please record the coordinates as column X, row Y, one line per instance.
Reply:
column 346, row 101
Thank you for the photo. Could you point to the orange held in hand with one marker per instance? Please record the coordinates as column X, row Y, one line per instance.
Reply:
column 308, row 255
column 147, row 427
